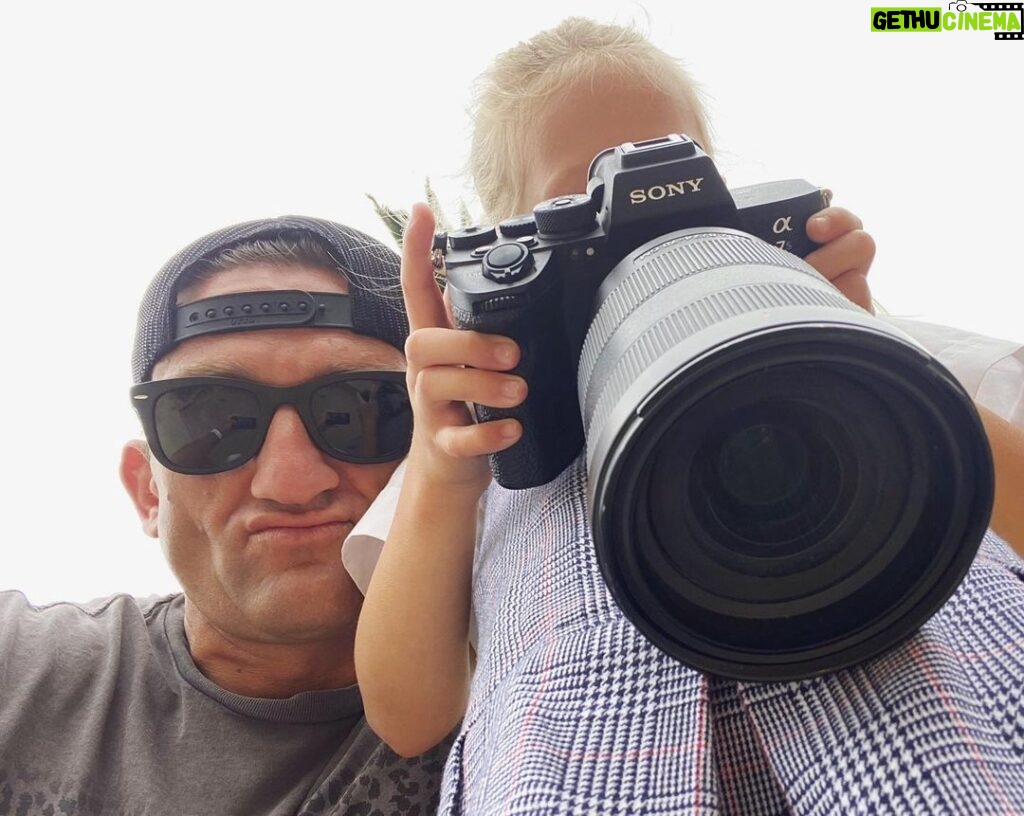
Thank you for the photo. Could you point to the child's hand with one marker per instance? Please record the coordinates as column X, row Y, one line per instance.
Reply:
column 846, row 255
column 448, row 368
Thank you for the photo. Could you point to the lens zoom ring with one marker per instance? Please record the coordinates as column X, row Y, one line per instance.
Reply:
column 605, row 392
column 667, row 263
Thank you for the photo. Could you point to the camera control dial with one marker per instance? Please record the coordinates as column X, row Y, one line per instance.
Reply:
column 471, row 237
column 518, row 226
column 507, row 263
column 565, row 214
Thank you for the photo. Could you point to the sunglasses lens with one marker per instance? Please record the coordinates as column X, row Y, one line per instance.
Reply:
column 364, row 419
column 208, row 427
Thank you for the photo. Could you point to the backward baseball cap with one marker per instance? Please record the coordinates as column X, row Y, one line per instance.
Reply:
column 370, row 268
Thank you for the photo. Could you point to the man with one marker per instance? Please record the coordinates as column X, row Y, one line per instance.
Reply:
column 268, row 377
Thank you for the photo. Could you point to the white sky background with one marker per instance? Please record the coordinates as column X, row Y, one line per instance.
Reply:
column 129, row 129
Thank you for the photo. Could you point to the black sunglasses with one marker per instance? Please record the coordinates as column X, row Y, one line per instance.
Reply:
column 199, row 425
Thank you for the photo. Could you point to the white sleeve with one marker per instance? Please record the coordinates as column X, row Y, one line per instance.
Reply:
column 361, row 549
column 990, row 369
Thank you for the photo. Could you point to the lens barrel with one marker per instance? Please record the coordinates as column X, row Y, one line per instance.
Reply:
column 780, row 483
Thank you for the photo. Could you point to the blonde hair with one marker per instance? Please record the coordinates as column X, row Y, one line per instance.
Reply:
column 510, row 94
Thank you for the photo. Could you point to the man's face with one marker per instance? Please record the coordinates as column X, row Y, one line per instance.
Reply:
column 257, row 549
column 596, row 114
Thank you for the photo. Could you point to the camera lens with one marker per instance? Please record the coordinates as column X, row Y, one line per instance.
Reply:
column 780, row 483
column 770, row 475
column 757, row 480
column 758, row 465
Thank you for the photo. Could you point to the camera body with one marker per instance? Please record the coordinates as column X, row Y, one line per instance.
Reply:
column 537, row 278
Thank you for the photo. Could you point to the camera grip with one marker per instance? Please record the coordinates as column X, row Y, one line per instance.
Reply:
column 550, row 416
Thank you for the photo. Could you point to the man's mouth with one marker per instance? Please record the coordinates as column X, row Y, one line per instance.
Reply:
column 299, row 529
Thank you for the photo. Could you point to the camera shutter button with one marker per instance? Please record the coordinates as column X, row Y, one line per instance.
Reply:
column 507, row 263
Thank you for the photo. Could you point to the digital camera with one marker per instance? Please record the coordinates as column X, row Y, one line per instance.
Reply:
column 779, row 483
column 534, row 277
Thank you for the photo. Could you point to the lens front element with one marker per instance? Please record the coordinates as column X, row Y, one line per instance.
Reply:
column 780, row 484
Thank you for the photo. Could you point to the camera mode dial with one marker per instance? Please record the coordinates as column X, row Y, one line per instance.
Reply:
column 507, row 263
column 565, row 214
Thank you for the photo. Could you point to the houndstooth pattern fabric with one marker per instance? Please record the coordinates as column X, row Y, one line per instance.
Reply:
column 572, row 711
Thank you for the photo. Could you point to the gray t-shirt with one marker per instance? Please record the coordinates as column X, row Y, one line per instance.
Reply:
column 103, row 711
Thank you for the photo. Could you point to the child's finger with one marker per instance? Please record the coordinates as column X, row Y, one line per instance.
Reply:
column 478, row 440
column 445, row 384
column 830, row 223
column 854, row 285
column 852, row 251
column 452, row 347
column 423, row 300
column 845, row 263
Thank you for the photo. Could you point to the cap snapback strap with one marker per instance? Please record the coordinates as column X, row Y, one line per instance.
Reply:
column 244, row 311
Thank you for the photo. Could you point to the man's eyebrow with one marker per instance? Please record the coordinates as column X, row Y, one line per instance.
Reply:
column 232, row 370
column 214, row 369
column 235, row 372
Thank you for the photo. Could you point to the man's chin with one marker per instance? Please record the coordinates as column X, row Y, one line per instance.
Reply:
column 308, row 604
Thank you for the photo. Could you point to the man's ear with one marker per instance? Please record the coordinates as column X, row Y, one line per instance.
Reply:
column 137, row 478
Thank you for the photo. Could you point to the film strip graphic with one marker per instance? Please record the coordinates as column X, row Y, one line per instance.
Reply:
column 1017, row 7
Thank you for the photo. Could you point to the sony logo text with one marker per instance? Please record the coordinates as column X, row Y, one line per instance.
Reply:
column 660, row 191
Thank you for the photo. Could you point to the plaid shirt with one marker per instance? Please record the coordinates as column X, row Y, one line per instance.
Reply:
column 573, row 711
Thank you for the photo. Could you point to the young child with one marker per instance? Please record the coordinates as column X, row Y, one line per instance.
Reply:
column 545, row 108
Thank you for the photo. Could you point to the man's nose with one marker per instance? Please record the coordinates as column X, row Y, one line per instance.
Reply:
column 291, row 469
